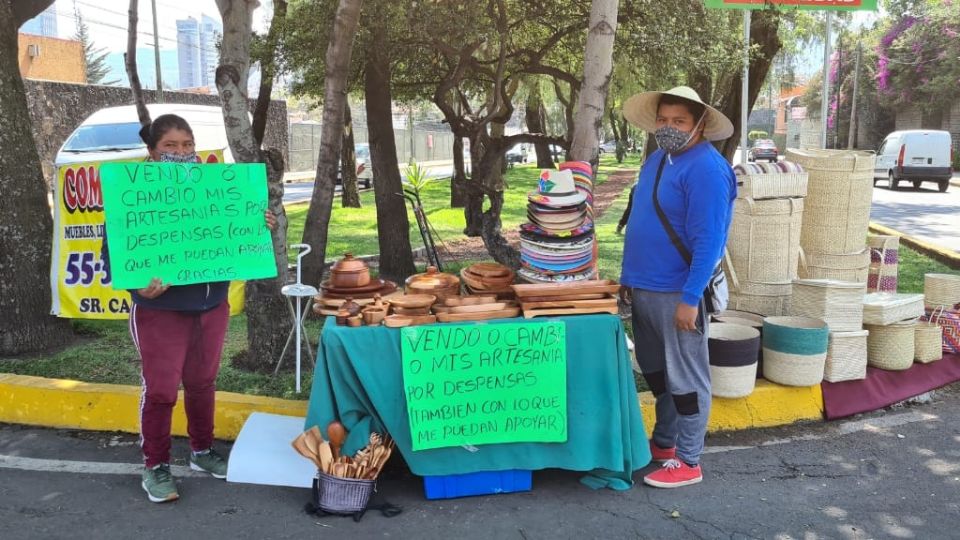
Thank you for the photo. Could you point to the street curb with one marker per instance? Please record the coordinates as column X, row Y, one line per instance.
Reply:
column 938, row 253
column 769, row 405
column 60, row 403
column 63, row 403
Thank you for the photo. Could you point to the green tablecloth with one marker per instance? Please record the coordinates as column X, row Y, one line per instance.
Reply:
column 359, row 380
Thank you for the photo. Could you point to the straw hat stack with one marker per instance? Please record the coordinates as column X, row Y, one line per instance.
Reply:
column 558, row 244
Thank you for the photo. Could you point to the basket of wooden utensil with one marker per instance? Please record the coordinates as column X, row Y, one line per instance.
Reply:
column 343, row 484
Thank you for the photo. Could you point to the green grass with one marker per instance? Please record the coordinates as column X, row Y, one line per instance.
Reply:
column 355, row 229
column 912, row 267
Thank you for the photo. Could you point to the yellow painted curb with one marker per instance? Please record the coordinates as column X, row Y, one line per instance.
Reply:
column 769, row 405
column 939, row 253
column 114, row 407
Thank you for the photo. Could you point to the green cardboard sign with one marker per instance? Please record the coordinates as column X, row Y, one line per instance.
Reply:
column 810, row 5
column 186, row 223
column 485, row 383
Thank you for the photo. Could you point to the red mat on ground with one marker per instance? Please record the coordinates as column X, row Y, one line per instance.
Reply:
column 882, row 388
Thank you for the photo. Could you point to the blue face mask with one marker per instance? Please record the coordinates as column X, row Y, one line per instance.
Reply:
column 170, row 157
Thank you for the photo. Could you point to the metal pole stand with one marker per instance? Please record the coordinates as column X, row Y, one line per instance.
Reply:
column 295, row 292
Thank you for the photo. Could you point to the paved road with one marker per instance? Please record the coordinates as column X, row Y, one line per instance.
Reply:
column 890, row 475
column 302, row 191
column 924, row 213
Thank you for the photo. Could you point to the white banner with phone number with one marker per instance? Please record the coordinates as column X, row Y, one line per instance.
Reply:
column 79, row 280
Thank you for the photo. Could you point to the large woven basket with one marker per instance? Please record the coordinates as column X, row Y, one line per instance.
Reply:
column 764, row 239
column 941, row 290
column 891, row 347
column 839, row 197
column 778, row 185
column 950, row 322
column 794, row 350
column 884, row 263
column 841, row 267
column 756, row 297
column 846, row 356
column 928, row 342
column 733, row 382
column 733, row 345
column 837, row 303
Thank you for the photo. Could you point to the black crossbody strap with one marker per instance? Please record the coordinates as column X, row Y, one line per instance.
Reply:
column 684, row 252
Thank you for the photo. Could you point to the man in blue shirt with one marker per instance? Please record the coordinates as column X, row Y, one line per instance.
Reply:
column 695, row 188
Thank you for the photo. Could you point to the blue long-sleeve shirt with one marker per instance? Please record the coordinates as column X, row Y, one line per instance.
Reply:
column 696, row 193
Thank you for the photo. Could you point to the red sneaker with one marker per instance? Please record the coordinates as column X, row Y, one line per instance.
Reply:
column 661, row 454
column 673, row 474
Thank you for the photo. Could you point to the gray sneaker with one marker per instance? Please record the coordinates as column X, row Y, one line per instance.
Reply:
column 209, row 462
column 159, row 484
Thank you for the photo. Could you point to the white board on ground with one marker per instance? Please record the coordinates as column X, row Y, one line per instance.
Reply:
column 262, row 453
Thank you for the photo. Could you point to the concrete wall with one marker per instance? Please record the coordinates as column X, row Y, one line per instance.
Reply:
column 56, row 109
column 58, row 59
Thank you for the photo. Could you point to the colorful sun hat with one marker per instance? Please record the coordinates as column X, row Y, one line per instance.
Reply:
column 569, row 243
column 556, row 188
column 532, row 276
column 557, row 267
column 542, row 251
column 541, row 209
column 558, row 221
column 535, row 229
column 577, row 166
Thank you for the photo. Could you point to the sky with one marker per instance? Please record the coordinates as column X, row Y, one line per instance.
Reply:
column 107, row 20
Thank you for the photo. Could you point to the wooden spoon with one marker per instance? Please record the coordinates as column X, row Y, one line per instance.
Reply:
column 326, row 457
column 300, row 445
column 337, row 434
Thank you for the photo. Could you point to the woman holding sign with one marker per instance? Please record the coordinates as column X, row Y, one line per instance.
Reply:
column 179, row 333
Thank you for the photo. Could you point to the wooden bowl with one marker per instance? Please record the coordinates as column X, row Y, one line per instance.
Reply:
column 350, row 280
column 349, row 264
column 413, row 301
column 373, row 316
column 396, row 321
column 411, row 312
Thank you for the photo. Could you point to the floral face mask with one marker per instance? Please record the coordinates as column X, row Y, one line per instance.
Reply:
column 171, row 157
column 672, row 140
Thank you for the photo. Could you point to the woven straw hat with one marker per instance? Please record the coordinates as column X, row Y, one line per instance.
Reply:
column 641, row 111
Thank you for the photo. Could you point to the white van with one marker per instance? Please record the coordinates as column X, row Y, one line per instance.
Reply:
column 917, row 156
column 113, row 133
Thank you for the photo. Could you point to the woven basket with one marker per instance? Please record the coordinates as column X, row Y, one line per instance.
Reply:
column 846, row 356
column 891, row 347
column 764, row 239
column 733, row 345
column 733, row 382
column 884, row 263
column 772, row 185
column 755, row 319
column 837, row 303
column 941, row 290
column 950, row 322
column 887, row 308
column 839, row 197
column 928, row 343
column 853, row 267
column 794, row 350
column 343, row 495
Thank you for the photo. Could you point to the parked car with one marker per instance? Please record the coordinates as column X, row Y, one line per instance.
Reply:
column 361, row 152
column 917, row 156
column 515, row 154
column 113, row 133
column 609, row 146
column 763, row 149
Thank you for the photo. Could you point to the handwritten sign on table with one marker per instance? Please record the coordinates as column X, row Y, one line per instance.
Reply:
column 485, row 383
column 186, row 223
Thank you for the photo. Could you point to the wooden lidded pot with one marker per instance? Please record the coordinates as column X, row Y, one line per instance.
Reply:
column 349, row 273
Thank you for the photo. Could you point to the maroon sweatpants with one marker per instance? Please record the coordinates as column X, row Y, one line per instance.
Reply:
column 175, row 347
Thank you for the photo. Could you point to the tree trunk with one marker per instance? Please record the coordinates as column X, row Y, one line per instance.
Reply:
column 458, row 184
column 597, row 67
column 335, row 85
column 350, row 196
column 268, row 317
column 25, row 321
column 268, row 69
column 473, row 209
column 490, row 179
column 130, row 62
column 393, row 227
column 764, row 26
column 536, row 123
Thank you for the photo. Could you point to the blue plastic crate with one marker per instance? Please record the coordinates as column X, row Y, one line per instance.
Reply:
column 478, row 483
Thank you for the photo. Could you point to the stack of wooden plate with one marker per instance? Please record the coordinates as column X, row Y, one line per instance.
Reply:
column 415, row 308
column 572, row 298
column 433, row 282
column 488, row 278
column 475, row 308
